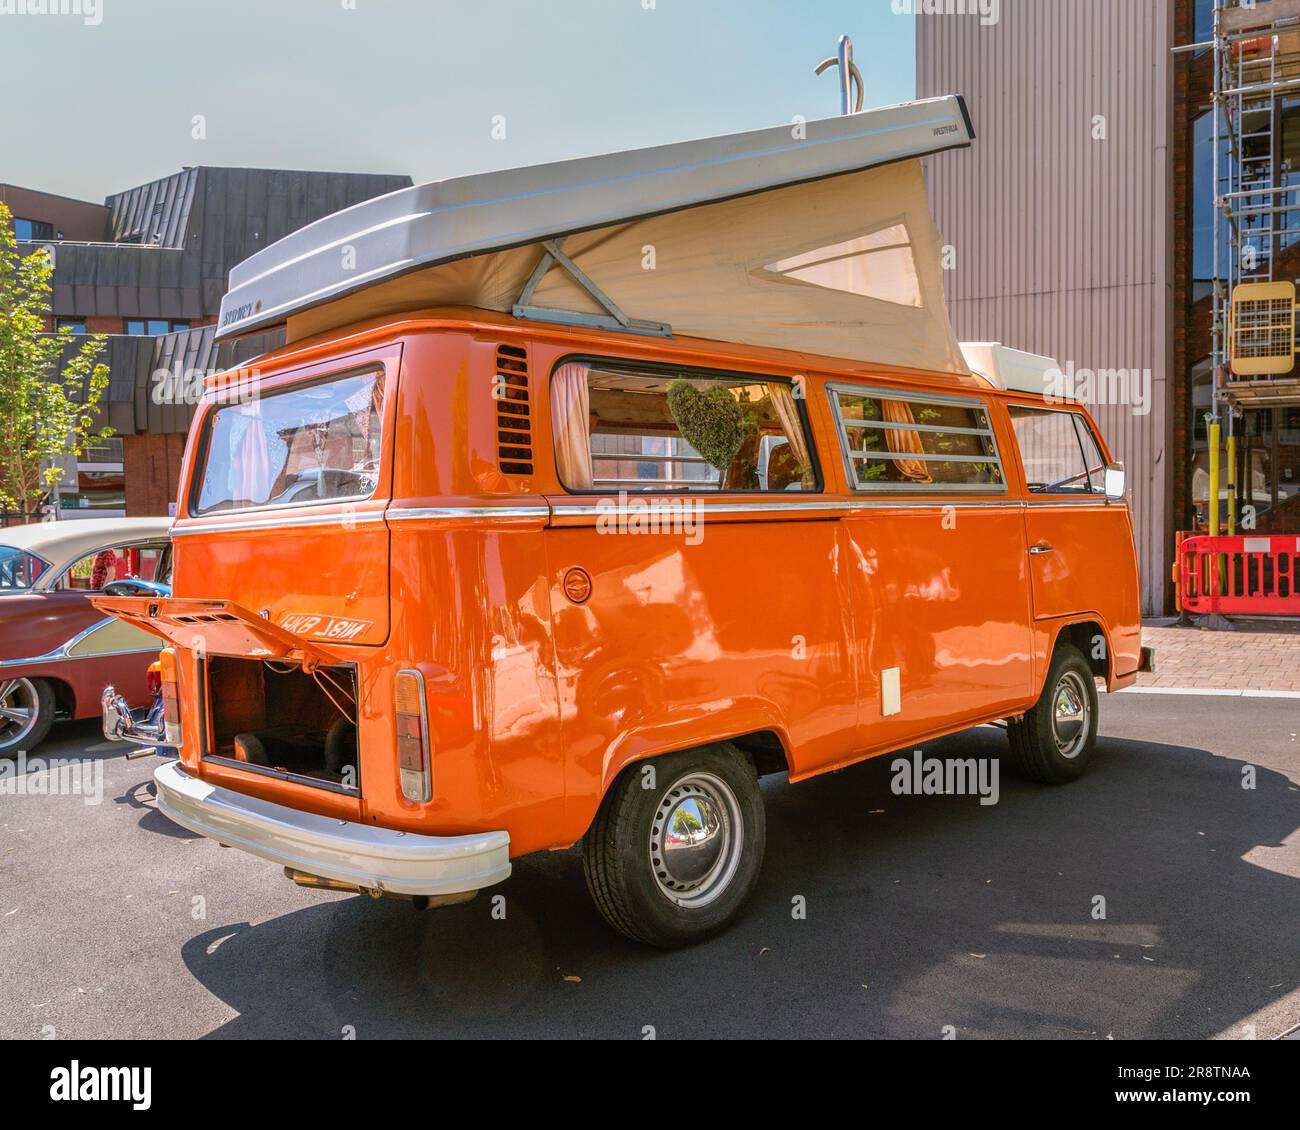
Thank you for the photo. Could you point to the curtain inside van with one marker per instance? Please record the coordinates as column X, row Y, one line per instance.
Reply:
column 903, row 439
column 571, row 411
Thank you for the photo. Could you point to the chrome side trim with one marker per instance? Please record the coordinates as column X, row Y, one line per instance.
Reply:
column 792, row 506
column 811, row 507
column 1096, row 500
column 454, row 513
column 368, row 518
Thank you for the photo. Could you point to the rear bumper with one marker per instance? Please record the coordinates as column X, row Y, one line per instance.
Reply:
column 370, row 857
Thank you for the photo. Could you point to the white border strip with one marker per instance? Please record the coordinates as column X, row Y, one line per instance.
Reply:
column 1210, row 692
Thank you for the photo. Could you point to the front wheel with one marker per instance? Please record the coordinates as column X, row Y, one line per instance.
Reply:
column 26, row 714
column 677, row 846
column 1056, row 740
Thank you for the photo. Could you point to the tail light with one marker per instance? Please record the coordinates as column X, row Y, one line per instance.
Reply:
column 153, row 679
column 412, row 737
column 171, row 698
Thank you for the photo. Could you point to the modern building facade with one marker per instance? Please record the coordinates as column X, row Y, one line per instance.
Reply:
column 1059, row 219
column 148, row 268
column 1081, row 227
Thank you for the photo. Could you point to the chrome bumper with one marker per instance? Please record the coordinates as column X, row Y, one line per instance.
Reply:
column 372, row 858
column 122, row 724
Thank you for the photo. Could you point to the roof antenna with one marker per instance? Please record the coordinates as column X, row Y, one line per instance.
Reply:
column 849, row 74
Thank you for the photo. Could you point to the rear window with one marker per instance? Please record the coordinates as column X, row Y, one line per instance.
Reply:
column 318, row 442
column 19, row 570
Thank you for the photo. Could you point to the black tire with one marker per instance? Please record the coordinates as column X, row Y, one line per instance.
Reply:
column 1051, row 749
column 26, row 694
column 674, row 900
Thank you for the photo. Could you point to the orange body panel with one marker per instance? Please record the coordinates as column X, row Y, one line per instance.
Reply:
column 780, row 620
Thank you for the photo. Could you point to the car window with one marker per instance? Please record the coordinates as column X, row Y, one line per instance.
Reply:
column 312, row 442
column 93, row 571
column 1053, row 452
column 624, row 427
column 19, row 570
column 902, row 442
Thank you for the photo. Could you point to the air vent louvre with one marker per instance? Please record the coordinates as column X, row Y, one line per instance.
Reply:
column 514, row 411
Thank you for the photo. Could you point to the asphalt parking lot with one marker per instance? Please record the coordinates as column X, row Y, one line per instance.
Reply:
column 923, row 914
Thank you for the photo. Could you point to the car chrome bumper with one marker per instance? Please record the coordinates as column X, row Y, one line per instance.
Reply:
column 122, row 724
column 373, row 858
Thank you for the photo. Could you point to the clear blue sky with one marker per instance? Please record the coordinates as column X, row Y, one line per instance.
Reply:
column 402, row 86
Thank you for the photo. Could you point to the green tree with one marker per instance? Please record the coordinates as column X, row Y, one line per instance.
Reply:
column 48, row 390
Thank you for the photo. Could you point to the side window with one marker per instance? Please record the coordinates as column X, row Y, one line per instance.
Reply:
column 623, row 427
column 1053, row 446
column 894, row 442
column 92, row 572
column 1092, row 455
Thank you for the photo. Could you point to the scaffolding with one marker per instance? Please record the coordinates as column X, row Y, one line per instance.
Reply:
column 1256, row 180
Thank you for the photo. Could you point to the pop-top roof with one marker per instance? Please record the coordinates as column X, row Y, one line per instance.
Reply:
column 375, row 242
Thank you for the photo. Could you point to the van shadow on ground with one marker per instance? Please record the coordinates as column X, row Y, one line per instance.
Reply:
column 932, row 912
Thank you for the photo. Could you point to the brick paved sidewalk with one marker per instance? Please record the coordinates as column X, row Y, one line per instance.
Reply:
column 1259, row 656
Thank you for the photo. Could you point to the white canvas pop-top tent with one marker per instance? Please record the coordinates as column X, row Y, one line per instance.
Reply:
column 814, row 237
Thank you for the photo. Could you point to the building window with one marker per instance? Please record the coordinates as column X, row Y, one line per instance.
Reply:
column 153, row 327
column 72, row 325
column 1203, row 204
column 1204, row 20
column 28, row 230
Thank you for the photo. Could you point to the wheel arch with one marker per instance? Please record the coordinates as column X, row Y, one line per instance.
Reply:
column 1090, row 635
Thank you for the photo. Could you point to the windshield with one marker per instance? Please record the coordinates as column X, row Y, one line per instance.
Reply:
column 19, row 570
column 307, row 443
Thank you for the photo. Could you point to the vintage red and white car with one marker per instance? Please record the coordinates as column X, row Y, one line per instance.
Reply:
column 57, row 651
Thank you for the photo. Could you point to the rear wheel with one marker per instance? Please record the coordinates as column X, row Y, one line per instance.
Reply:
column 1056, row 741
column 26, row 714
column 673, row 854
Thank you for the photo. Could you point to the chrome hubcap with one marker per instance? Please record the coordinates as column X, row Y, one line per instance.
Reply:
column 1070, row 715
column 695, row 840
column 17, row 710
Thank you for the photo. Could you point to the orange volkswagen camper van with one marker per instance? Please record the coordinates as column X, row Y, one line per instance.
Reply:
column 582, row 496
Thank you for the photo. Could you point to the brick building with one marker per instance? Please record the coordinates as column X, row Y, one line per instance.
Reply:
column 148, row 268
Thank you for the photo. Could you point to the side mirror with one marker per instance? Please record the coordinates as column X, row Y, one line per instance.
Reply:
column 1116, row 481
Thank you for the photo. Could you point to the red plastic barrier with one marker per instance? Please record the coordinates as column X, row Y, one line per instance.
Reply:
column 1247, row 575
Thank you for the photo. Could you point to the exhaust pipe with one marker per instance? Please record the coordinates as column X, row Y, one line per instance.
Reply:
column 419, row 902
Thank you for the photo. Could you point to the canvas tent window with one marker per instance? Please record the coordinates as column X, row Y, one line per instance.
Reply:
column 879, row 265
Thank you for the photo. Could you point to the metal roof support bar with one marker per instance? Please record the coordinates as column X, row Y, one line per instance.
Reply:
column 614, row 320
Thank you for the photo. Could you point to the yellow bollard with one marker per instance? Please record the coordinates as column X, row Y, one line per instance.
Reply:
column 1216, row 432
column 1232, row 485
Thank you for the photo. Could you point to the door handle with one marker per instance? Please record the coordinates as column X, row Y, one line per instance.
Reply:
column 1037, row 549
